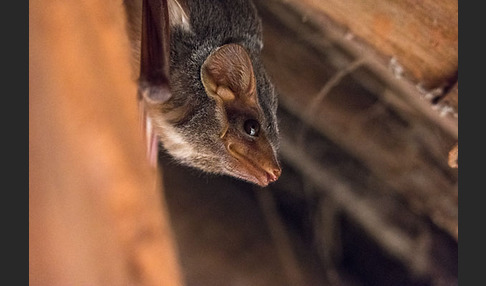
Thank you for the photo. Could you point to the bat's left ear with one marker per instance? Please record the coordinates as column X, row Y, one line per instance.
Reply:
column 227, row 75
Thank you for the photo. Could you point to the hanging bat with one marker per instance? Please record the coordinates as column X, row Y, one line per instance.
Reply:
column 204, row 87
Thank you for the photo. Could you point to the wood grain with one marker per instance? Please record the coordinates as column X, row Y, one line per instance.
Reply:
column 421, row 35
column 96, row 214
column 353, row 101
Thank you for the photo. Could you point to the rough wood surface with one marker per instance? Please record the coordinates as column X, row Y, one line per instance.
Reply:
column 421, row 35
column 352, row 100
column 96, row 214
column 450, row 101
column 360, row 142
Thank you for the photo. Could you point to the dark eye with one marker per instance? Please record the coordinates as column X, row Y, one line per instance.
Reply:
column 252, row 127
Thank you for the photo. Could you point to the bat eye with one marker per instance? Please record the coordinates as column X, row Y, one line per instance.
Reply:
column 252, row 127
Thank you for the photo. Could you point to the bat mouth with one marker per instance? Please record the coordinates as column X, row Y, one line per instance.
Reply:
column 252, row 170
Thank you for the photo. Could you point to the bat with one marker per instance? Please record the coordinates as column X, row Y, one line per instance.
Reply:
column 203, row 85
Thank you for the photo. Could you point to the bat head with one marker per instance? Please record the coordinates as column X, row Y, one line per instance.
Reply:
column 222, row 119
column 248, row 133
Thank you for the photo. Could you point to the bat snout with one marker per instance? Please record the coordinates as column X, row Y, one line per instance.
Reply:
column 261, row 170
column 273, row 174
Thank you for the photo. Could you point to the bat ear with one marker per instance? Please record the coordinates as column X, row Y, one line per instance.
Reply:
column 227, row 75
column 178, row 14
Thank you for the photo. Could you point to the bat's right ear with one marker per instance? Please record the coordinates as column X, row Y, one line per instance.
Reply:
column 179, row 14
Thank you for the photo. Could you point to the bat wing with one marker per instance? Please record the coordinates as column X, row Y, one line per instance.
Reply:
column 154, row 66
column 155, row 45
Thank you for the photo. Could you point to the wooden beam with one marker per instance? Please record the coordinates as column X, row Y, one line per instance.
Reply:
column 333, row 87
column 420, row 36
column 96, row 212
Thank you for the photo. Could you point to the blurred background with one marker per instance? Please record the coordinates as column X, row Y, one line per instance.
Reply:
column 368, row 114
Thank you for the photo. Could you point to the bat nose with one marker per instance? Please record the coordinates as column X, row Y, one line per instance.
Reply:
column 273, row 174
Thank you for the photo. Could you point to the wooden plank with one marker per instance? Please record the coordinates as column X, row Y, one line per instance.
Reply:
column 421, row 35
column 363, row 109
column 96, row 214
column 451, row 100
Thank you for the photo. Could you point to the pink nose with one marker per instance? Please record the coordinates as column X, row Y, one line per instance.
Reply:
column 273, row 175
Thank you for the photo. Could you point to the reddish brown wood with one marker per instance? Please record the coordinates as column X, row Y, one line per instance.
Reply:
column 96, row 214
column 451, row 99
column 421, row 35
column 360, row 105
